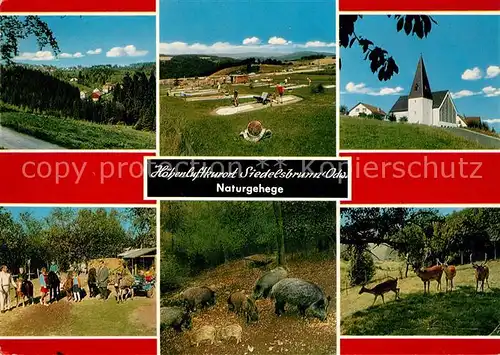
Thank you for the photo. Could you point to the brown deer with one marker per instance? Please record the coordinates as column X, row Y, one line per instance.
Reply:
column 381, row 288
column 429, row 274
column 481, row 272
column 450, row 271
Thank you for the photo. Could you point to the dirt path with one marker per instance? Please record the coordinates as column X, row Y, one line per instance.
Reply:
column 91, row 317
column 11, row 139
column 483, row 139
column 287, row 334
column 231, row 110
column 144, row 315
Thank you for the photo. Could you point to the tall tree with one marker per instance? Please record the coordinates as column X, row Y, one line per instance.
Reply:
column 281, row 234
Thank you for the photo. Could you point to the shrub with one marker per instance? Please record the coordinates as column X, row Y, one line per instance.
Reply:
column 172, row 273
column 361, row 267
column 378, row 117
column 318, row 89
column 403, row 119
column 344, row 110
column 392, row 117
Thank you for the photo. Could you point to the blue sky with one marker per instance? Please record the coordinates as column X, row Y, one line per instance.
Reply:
column 238, row 26
column 457, row 54
column 95, row 40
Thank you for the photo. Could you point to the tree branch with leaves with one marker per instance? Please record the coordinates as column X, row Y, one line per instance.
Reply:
column 15, row 29
column 380, row 61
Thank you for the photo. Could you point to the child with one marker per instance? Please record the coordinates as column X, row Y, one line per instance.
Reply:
column 43, row 287
column 76, row 287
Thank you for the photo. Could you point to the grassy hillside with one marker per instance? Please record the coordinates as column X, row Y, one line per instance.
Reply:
column 306, row 128
column 461, row 312
column 74, row 134
column 361, row 133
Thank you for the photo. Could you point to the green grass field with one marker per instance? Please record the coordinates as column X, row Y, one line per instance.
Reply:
column 75, row 134
column 364, row 133
column 461, row 312
column 306, row 128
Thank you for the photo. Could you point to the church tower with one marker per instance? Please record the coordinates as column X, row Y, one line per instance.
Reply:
column 420, row 97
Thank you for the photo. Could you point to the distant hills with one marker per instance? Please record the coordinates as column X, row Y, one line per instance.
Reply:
column 259, row 55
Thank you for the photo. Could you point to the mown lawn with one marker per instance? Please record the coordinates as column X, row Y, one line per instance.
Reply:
column 461, row 312
column 363, row 133
column 75, row 134
column 306, row 128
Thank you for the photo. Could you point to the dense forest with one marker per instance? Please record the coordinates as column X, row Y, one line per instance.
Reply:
column 189, row 66
column 71, row 235
column 133, row 101
column 202, row 235
column 98, row 75
column 419, row 236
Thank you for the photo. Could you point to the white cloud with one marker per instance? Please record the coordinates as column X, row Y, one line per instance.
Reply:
column 463, row 93
column 491, row 120
column 127, row 51
column 69, row 55
column 361, row 88
column 492, row 71
column 251, row 44
column 472, row 74
column 251, row 40
column 94, row 51
column 318, row 44
column 490, row 91
column 37, row 56
column 278, row 41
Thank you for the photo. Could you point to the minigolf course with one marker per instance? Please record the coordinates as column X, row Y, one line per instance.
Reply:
column 254, row 106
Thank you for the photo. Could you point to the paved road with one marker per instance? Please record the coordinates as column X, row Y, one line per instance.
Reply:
column 11, row 139
column 487, row 141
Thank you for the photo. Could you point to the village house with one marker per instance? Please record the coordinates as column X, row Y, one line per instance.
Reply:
column 422, row 106
column 107, row 88
column 364, row 109
column 96, row 96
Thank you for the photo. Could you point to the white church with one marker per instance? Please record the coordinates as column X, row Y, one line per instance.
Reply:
column 422, row 106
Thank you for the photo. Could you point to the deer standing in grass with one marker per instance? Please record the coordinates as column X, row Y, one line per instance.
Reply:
column 450, row 272
column 482, row 273
column 381, row 288
column 429, row 274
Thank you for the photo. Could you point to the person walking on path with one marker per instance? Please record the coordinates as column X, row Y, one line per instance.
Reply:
column 102, row 280
column 5, row 282
column 235, row 98
column 281, row 91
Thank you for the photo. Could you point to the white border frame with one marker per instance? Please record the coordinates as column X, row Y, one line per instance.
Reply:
column 201, row 158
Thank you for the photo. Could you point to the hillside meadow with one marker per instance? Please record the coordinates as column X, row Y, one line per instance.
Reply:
column 462, row 312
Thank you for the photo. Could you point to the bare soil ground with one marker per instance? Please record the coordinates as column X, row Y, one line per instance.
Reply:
column 288, row 334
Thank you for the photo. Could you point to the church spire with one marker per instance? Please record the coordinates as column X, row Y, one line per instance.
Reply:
column 420, row 87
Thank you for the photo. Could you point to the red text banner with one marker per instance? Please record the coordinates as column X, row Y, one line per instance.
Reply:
column 79, row 346
column 65, row 6
column 425, row 5
column 427, row 346
column 458, row 177
column 72, row 177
